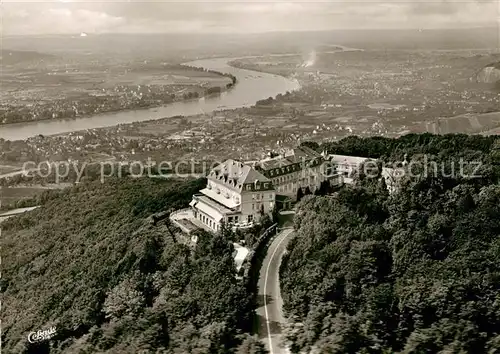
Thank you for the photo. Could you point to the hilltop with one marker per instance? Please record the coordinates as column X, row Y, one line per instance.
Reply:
column 90, row 263
column 412, row 272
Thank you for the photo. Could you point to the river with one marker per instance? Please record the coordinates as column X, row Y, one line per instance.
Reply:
column 251, row 87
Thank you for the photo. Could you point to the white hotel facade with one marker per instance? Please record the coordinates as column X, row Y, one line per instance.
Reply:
column 240, row 194
column 235, row 194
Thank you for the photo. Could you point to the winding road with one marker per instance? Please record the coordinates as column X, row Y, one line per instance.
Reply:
column 4, row 216
column 270, row 310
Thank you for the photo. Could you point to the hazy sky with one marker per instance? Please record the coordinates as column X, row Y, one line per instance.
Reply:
column 238, row 16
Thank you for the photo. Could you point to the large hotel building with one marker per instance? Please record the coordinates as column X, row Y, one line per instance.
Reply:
column 240, row 194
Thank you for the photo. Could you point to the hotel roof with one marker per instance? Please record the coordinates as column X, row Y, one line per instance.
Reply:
column 276, row 162
column 221, row 199
column 303, row 152
column 298, row 155
column 350, row 160
column 234, row 175
column 218, row 208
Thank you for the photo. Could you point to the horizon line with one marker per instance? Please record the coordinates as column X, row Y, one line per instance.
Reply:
column 3, row 36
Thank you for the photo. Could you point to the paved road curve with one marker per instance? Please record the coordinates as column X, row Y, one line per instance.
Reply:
column 4, row 216
column 270, row 311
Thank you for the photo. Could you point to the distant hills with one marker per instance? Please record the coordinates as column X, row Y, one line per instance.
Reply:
column 162, row 45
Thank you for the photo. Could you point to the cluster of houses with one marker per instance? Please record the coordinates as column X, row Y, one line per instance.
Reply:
column 241, row 193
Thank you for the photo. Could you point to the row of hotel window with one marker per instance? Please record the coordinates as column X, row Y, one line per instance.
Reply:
column 258, row 206
column 292, row 178
column 293, row 186
column 283, row 179
column 236, row 219
column 284, row 170
column 257, row 196
column 293, row 168
column 230, row 219
column 208, row 221
column 265, row 185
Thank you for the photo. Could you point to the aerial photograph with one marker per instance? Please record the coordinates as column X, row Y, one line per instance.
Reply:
column 249, row 177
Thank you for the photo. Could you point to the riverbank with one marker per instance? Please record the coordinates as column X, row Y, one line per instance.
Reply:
column 336, row 101
column 245, row 93
column 360, row 93
column 155, row 90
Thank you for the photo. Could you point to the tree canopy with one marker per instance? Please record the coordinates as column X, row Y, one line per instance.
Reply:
column 89, row 262
column 417, row 271
column 394, row 149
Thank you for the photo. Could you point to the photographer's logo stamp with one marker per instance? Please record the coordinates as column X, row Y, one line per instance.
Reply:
column 40, row 336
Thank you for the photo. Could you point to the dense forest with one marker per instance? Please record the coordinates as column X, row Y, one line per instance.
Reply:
column 90, row 263
column 417, row 271
column 389, row 149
